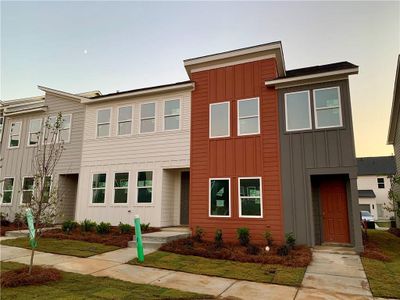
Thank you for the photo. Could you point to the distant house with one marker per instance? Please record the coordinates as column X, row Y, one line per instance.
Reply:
column 374, row 183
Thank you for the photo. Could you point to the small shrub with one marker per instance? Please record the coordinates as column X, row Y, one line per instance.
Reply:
column 188, row 243
column 124, row 228
column 252, row 249
column 283, row 250
column 243, row 235
column 290, row 240
column 4, row 221
column 20, row 219
column 144, row 227
column 103, row 228
column 69, row 226
column 268, row 237
column 218, row 238
column 198, row 234
column 88, row 225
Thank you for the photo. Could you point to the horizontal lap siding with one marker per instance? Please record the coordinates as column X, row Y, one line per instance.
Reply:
column 235, row 156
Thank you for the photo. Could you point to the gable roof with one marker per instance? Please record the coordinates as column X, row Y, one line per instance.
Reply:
column 394, row 115
column 381, row 165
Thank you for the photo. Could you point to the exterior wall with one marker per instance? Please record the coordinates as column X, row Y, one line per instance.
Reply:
column 236, row 156
column 155, row 152
column 396, row 147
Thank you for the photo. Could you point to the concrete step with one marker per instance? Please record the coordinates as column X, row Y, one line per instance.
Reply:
column 156, row 239
column 146, row 245
column 335, row 250
column 176, row 229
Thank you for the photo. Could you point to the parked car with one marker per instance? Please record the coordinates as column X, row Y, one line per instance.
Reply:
column 366, row 216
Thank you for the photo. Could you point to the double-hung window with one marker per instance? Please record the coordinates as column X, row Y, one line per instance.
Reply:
column 15, row 134
column 327, row 108
column 381, row 183
column 219, row 119
column 145, row 187
column 103, row 122
column 1, row 127
column 28, row 185
column 172, row 109
column 220, row 197
column 65, row 129
column 99, row 188
column 147, row 117
column 298, row 111
column 250, row 202
column 248, row 116
column 7, row 193
column 125, row 120
column 35, row 127
column 121, row 183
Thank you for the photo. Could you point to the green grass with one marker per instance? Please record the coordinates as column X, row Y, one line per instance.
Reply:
column 384, row 277
column 76, row 286
column 224, row 268
column 65, row 247
column 383, row 223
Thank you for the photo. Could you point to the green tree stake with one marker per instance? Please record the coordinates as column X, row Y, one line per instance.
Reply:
column 139, row 243
column 31, row 226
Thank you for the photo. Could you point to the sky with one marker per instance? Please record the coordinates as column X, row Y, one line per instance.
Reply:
column 110, row 46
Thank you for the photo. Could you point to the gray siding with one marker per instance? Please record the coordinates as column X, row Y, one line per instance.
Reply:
column 396, row 146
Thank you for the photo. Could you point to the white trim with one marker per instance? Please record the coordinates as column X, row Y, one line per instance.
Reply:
column 148, row 118
column 69, row 131
column 229, row 120
column 333, row 107
column 137, row 203
column 120, row 188
column 240, row 199
column 97, row 123
column 128, row 120
column 248, row 117
column 19, row 112
column 1, row 127
column 2, row 191
column 61, row 93
column 19, row 135
column 309, row 112
column 91, row 203
column 22, row 189
column 209, row 198
column 174, row 115
column 29, row 132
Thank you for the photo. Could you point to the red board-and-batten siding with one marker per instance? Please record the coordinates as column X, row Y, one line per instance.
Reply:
column 235, row 156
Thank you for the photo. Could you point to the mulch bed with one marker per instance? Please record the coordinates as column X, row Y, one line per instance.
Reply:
column 395, row 231
column 300, row 256
column 371, row 250
column 114, row 238
column 11, row 227
column 20, row 277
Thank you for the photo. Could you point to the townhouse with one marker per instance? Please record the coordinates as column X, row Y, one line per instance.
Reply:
column 243, row 143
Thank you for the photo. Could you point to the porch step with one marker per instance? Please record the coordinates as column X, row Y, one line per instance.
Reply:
column 25, row 232
column 157, row 239
column 343, row 250
column 176, row 229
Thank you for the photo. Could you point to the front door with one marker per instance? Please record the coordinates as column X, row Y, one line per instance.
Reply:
column 185, row 179
column 334, row 211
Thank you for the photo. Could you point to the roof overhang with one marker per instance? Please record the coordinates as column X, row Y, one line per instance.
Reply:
column 244, row 55
column 62, row 94
column 394, row 114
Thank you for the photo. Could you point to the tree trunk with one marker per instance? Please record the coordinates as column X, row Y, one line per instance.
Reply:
column 31, row 264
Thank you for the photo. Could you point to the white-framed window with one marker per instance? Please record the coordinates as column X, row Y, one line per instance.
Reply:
column 35, row 127
column 145, row 187
column 147, row 117
column 220, row 119
column 121, row 187
column 248, row 116
column 125, row 120
column 7, row 190
column 65, row 129
column 381, row 183
column 250, row 197
column 28, row 185
column 1, row 127
column 15, row 135
column 99, row 188
column 219, row 197
column 103, row 122
column 298, row 111
column 172, row 111
column 327, row 107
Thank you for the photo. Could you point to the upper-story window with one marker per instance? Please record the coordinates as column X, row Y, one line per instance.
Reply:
column 298, row 112
column 327, row 108
column 172, row 109
column 147, row 117
column 15, row 134
column 103, row 122
column 35, row 127
column 65, row 129
column 125, row 120
column 219, row 119
column 1, row 127
column 248, row 116
column 381, row 183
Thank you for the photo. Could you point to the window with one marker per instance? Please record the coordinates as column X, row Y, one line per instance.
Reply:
column 1, row 127
column 35, row 126
column 28, row 185
column 172, row 109
column 219, row 120
column 147, row 117
column 327, row 108
column 248, row 116
column 250, row 197
column 65, row 129
column 103, row 122
column 220, row 197
column 47, row 188
column 15, row 134
column 125, row 120
column 121, row 183
column 145, row 187
column 381, row 183
column 298, row 112
column 8, row 187
column 99, row 188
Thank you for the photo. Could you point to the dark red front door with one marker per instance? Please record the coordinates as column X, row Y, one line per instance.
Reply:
column 334, row 211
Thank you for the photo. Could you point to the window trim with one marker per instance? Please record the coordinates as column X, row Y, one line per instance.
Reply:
column 229, row 120
column 97, row 122
column 130, row 120
column 120, row 188
column 1, row 127
column 380, row 183
column 174, row 115
column 316, row 109
column 91, row 191
column 209, row 197
column 29, row 132
column 2, row 191
column 137, row 189
column 247, row 117
column 240, row 198
column 309, row 112
column 22, row 189
column 69, row 129
column 147, row 118
column 19, row 135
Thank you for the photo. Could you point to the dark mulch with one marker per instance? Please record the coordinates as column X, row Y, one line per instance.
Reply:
column 20, row 277
column 395, row 231
column 300, row 256
column 11, row 227
column 373, row 251
column 114, row 238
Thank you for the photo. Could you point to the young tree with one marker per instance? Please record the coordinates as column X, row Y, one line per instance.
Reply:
column 394, row 196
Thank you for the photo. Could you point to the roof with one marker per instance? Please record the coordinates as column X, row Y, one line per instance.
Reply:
column 343, row 65
column 381, row 165
column 394, row 115
column 366, row 194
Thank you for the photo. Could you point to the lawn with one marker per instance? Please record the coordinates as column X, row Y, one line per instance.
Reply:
column 65, row 247
column 384, row 276
column 267, row 273
column 76, row 286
